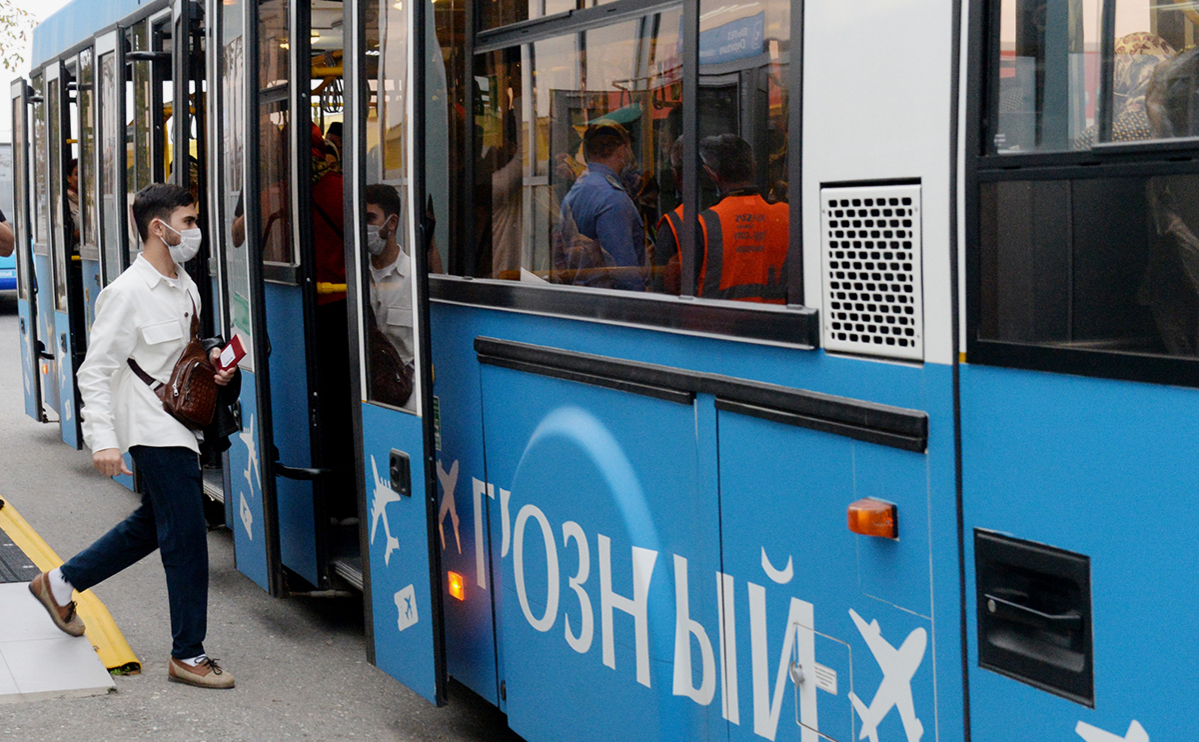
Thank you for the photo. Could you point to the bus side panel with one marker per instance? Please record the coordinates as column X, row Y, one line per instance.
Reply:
column 794, row 566
column 289, row 417
column 1106, row 469
column 91, row 290
column 464, row 506
column 67, row 417
column 29, row 358
column 399, row 553
column 600, row 485
column 245, row 471
column 48, row 370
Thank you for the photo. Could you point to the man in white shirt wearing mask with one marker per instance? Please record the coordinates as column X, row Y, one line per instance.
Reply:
column 145, row 315
column 391, row 290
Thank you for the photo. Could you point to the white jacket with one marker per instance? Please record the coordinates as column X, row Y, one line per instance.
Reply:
column 141, row 316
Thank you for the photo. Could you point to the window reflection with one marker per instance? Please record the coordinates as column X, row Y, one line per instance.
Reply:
column 580, row 160
column 575, row 134
column 390, row 267
column 232, row 148
column 1047, row 89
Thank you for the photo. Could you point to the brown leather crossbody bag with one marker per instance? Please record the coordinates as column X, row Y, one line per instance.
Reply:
column 190, row 394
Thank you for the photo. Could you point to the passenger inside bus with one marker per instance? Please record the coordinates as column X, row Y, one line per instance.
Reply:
column 391, row 351
column 745, row 237
column 601, row 238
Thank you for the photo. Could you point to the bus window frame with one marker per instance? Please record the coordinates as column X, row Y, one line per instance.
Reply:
column 794, row 324
column 113, row 256
column 57, row 125
column 983, row 166
column 89, row 236
column 20, row 219
column 40, row 222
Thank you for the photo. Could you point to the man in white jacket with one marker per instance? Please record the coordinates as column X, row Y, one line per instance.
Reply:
column 145, row 315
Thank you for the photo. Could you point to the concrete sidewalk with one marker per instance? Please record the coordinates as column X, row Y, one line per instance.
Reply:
column 300, row 663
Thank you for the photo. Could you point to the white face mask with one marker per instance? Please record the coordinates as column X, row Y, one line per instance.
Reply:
column 376, row 243
column 189, row 243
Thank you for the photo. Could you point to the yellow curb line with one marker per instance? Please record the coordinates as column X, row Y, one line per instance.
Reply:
column 102, row 631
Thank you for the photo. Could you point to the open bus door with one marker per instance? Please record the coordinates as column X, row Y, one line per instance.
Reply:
column 67, row 287
column 26, row 287
column 388, row 299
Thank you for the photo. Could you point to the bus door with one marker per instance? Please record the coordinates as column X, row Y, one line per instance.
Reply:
column 238, row 209
column 43, row 266
column 64, row 249
column 391, row 248
column 27, row 316
column 105, row 196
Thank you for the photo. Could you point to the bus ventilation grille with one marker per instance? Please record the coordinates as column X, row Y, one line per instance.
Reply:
column 870, row 254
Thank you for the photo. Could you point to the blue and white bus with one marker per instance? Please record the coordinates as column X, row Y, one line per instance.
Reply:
column 932, row 488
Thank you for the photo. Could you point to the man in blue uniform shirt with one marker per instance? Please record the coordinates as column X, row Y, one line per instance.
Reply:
column 599, row 209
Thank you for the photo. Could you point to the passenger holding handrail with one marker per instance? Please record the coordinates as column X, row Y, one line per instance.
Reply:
column 144, row 316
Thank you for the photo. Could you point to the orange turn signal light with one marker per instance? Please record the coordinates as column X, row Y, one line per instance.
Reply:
column 871, row 517
column 457, row 586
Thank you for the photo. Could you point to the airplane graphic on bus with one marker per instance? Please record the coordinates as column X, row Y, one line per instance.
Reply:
column 898, row 666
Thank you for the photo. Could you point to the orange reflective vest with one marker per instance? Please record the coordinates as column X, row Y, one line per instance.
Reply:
column 745, row 249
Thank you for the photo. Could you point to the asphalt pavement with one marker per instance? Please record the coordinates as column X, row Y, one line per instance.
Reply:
column 300, row 663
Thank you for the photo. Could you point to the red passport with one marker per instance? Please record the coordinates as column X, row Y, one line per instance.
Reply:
column 231, row 354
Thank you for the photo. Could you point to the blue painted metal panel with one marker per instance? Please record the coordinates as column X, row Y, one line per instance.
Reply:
column 400, row 595
column 1106, row 469
column 68, row 421
column 796, row 569
column 245, row 471
column 74, row 23
column 289, row 418
column 29, row 360
column 463, row 509
column 927, row 505
column 47, row 367
column 592, row 503
column 91, row 291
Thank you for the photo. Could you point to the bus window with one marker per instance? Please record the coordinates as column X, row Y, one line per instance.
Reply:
column 89, row 227
column 274, row 72
column 390, row 341
column 571, row 148
column 62, row 249
column 111, row 154
column 41, row 164
column 231, row 172
column 1089, row 269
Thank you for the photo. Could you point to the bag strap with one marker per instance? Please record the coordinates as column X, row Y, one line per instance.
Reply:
column 150, row 381
column 337, row 231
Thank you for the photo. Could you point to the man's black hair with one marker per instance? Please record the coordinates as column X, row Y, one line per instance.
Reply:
column 600, row 141
column 385, row 197
column 729, row 156
column 158, row 201
column 334, row 129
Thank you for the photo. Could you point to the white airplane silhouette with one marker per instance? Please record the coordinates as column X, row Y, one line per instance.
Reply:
column 899, row 666
column 1135, row 733
column 247, row 437
column 449, row 481
column 383, row 495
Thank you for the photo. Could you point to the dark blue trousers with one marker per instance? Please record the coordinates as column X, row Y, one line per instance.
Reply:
column 171, row 519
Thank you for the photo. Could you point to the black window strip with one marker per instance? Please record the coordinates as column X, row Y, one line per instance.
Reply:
column 792, row 326
column 868, row 435
column 885, row 424
column 608, row 382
